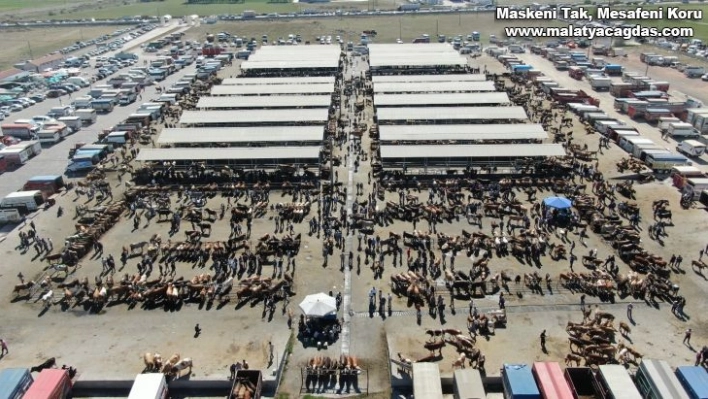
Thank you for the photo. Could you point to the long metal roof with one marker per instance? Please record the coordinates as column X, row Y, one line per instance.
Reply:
column 288, row 53
column 292, row 101
column 430, row 87
column 316, row 116
column 242, row 153
column 384, row 100
column 242, row 134
column 477, row 77
column 319, row 88
column 281, row 81
column 299, row 64
column 393, row 62
column 450, row 113
column 518, row 131
column 408, row 48
column 471, row 151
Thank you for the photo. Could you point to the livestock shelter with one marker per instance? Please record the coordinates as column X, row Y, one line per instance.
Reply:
column 268, row 90
column 451, row 115
column 432, row 58
column 462, row 134
column 259, row 136
column 290, row 68
column 425, row 157
column 295, row 53
column 280, row 81
column 256, row 117
column 240, row 157
column 264, row 102
column 292, row 61
column 437, row 99
column 431, row 87
column 457, row 77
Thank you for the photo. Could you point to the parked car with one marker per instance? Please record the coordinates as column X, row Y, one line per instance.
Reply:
column 16, row 107
column 55, row 93
column 38, row 97
column 27, row 100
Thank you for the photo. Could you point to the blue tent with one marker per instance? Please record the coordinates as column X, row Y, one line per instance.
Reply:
column 558, row 202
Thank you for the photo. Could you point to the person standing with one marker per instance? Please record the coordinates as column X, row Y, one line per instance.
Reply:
column 543, row 341
column 687, row 337
column 629, row 312
column 3, row 348
column 232, row 369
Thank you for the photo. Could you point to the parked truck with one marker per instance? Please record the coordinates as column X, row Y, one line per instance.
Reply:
column 14, row 382
column 149, row 386
column 24, row 201
column 247, row 384
column 73, row 123
column 102, row 105
column 51, row 384
column 88, row 116
column 20, row 131
column 693, row 71
column 600, row 83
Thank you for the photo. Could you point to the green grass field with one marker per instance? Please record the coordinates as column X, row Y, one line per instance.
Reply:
column 174, row 7
column 10, row 5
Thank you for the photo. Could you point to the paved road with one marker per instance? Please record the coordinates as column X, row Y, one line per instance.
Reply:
column 53, row 160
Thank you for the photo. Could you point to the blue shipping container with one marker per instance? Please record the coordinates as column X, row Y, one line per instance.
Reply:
column 14, row 383
column 694, row 380
column 519, row 382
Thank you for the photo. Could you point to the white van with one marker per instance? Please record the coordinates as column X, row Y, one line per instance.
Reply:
column 682, row 129
column 692, row 148
column 79, row 81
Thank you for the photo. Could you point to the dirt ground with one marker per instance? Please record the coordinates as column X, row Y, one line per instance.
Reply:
column 25, row 44
column 109, row 345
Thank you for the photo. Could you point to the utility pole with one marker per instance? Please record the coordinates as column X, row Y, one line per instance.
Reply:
column 399, row 28
column 437, row 26
column 30, row 50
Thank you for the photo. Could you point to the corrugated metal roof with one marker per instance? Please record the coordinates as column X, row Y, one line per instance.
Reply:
column 295, row 53
column 462, row 132
column 478, row 77
column 300, row 64
column 408, row 48
column 277, row 81
column 471, row 151
column 383, row 100
column 292, row 101
column 240, row 153
column 417, row 61
column 256, row 116
column 242, row 134
column 319, row 88
column 450, row 113
column 431, row 87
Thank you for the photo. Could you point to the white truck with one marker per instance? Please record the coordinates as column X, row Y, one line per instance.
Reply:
column 87, row 115
column 682, row 129
column 73, row 123
column 48, row 136
column 149, row 386
column 82, row 102
column 692, row 148
column 599, row 83
column 24, row 201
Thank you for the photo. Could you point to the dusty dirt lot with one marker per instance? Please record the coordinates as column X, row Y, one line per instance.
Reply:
column 109, row 344
column 25, row 44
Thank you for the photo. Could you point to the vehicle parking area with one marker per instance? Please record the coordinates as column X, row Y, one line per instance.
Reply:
column 107, row 341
